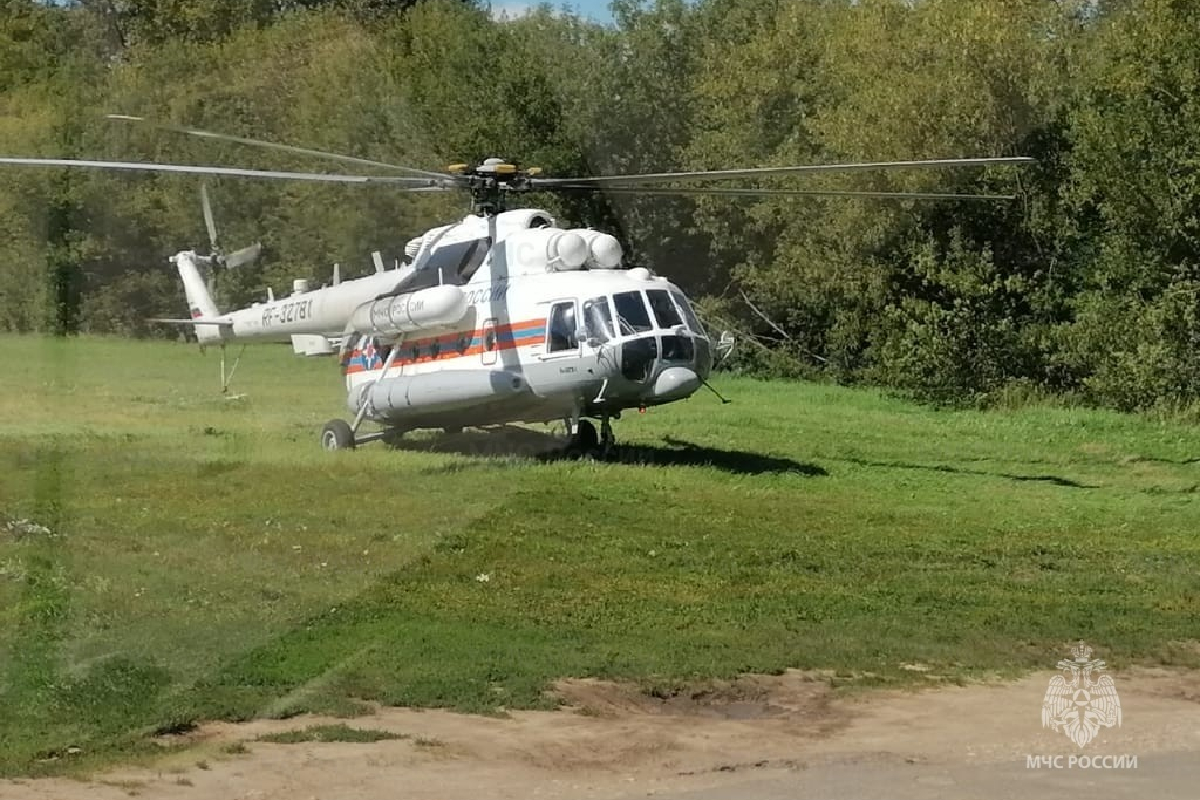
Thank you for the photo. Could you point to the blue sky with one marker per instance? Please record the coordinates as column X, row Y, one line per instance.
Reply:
column 595, row 9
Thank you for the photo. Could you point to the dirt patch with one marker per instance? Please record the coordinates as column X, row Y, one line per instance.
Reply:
column 614, row 741
column 793, row 695
column 1166, row 683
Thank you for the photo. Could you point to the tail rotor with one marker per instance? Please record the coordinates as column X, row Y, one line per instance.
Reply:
column 217, row 256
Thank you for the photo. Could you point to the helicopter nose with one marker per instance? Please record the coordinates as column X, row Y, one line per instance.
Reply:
column 675, row 383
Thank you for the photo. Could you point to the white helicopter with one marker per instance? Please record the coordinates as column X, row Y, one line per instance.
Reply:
column 503, row 317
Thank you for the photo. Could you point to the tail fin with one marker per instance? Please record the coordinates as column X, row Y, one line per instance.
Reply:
column 200, row 302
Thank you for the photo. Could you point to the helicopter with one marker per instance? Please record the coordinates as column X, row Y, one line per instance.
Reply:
column 503, row 316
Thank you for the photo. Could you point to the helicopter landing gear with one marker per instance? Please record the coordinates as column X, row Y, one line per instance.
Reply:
column 585, row 438
column 584, row 441
column 337, row 435
column 587, row 443
column 341, row 435
column 607, row 440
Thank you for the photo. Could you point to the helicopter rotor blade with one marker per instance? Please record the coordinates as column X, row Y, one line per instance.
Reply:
column 225, row 137
column 209, row 222
column 760, row 172
column 423, row 183
column 239, row 258
column 722, row 192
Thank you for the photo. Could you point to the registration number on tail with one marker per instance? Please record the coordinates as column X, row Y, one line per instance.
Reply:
column 297, row 311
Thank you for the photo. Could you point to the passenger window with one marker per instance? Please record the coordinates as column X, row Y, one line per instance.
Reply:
column 561, row 331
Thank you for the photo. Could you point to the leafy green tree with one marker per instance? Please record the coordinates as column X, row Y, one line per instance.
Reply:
column 1135, row 126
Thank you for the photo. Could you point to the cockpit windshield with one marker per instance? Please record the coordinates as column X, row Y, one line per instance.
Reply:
column 631, row 313
column 598, row 318
column 665, row 312
column 692, row 322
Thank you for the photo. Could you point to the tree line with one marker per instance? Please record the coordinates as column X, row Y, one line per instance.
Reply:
column 1084, row 288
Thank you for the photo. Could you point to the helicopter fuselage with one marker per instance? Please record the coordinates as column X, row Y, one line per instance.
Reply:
column 497, row 319
column 529, row 348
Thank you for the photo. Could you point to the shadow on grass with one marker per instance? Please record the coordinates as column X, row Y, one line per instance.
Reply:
column 1180, row 462
column 1055, row 480
column 515, row 442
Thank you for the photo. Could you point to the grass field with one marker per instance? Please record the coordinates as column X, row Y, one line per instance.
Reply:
column 205, row 559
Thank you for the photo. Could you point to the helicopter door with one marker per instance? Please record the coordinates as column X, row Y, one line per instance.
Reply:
column 490, row 343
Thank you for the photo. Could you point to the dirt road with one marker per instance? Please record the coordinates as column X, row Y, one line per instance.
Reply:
column 760, row 738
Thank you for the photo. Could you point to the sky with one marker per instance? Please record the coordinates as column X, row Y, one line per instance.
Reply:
column 595, row 9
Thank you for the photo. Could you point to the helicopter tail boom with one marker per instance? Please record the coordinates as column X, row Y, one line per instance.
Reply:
column 200, row 302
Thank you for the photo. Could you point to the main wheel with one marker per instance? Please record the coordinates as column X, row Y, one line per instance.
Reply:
column 336, row 435
column 586, row 437
column 586, row 442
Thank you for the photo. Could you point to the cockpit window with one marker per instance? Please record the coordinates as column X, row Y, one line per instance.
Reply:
column 598, row 318
column 692, row 322
column 631, row 313
column 664, row 310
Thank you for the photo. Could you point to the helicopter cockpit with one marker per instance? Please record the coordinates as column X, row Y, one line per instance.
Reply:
column 662, row 348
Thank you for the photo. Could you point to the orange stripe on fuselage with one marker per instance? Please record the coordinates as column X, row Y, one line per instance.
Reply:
column 511, row 336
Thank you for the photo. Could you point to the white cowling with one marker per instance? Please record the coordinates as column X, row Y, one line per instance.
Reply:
column 428, row 308
column 604, row 251
column 544, row 250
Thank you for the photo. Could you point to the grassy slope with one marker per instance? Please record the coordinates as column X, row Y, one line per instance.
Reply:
column 213, row 562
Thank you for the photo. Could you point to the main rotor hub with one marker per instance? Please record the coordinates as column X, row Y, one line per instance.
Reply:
column 490, row 181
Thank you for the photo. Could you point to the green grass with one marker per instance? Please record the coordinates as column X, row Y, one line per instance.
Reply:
column 331, row 733
column 208, row 560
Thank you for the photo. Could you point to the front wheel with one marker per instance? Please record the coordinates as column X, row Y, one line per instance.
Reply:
column 337, row 435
